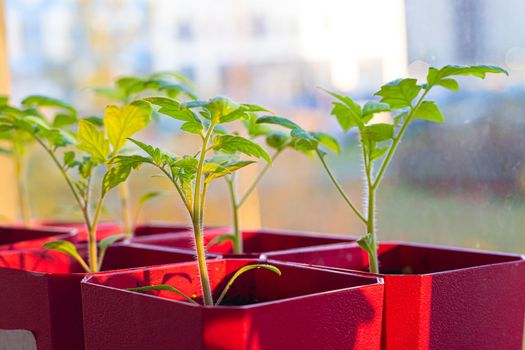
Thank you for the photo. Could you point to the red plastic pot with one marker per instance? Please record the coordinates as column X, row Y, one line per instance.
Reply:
column 40, row 291
column 439, row 297
column 305, row 308
column 157, row 228
column 16, row 237
column 104, row 229
column 256, row 242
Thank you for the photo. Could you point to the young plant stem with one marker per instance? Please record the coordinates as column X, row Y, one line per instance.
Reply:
column 398, row 137
column 237, row 240
column 197, row 220
column 340, row 189
column 236, row 204
column 25, row 211
column 125, row 210
column 370, row 223
column 81, row 205
column 92, row 239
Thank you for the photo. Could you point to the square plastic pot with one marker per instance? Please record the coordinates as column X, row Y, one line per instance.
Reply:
column 104, row 229
column 17, row 237
column 439, row 297
column 256, row 242
column 305, row 308
column 40, row 291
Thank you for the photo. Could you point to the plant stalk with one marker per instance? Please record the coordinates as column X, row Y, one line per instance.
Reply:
column 237, row 234
column 25, row 211
column 92, row 239
column 125, row 210
column 340, row 189
column 197, row 219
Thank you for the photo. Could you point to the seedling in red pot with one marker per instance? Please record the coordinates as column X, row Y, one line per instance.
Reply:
column 407, row 101
column 91, row 148
column 20, row 141
column 192, row 174
column 130, row 88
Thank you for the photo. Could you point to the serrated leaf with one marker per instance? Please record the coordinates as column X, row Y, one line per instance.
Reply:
column 45, row 101
column 374, row 107
column 378, row 132
column 69, row 249
column 234, row 144
column 378, row 152
column 348, row 113
column 328, row 141
column 95, row 120
column 278, row 140
column 122, row 123
column 303, row 141
column 223, row 110
column 63, row 119
column 429, row 111
column 436, row 75
column 399, row 93
column 92, row 141
column 255, row 108
column 119, row 171
column 449, row 83
column 69, row 158
column 165, row 102
column 284, row 122
column 227, row 169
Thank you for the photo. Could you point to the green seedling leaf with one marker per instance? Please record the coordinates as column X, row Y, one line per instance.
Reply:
column 92, row 141
column 163, row 102
column 429, row 111
column 227, row 169
column 243, row 270
column 63, row 119
column 45, row 101
column 328, row 141
column 146, row 197
column 69, row 159
column 378, row 152
column 371, row 108
column 378, row 132
column 97, row 121
column 222, row 110
column 105, row 243
column 6, row 151
column 348, row 113
column 221, row 239
column 122, row 123
column 367, row 244
column 163, row 287
column 69, row 249
column 119, row 171
column 254, row 108
column 284, row 122
column 278, row 140
column 303, row 141
column 399, row 93
column 235, row 144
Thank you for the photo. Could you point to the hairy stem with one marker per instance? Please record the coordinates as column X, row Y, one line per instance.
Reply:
column 25, row 211
column 125, row 210
column 237, row 241
column 340, row 189
column 370, row 226
column 197, row 219
column 257, row 180
column 92, row 238
column 82, row 206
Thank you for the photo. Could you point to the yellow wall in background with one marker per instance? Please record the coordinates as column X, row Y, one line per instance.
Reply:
column 7, row 183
